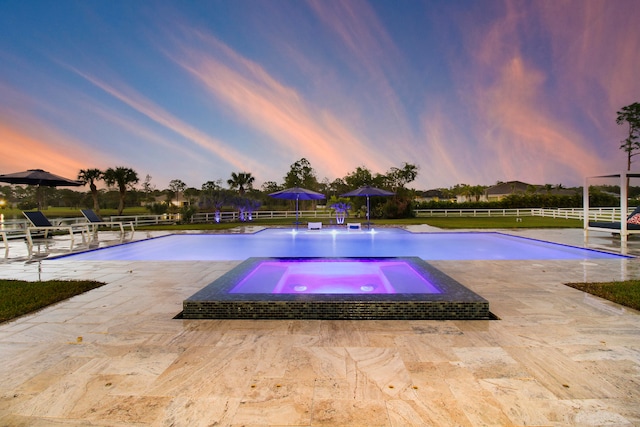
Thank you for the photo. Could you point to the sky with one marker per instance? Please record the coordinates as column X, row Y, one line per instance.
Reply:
column 471, row 92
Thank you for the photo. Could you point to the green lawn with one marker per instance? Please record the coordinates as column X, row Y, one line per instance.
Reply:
column 498, row 222
column 625, row 293
column 452, row 222
column 445, row 223
column 20, row 297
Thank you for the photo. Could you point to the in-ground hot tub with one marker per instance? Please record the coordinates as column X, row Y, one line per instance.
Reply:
column 335, row 288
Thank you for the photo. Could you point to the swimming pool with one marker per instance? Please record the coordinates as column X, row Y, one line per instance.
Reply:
column 387, row 242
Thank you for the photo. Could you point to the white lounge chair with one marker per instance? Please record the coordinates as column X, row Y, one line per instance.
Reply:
column 39, row 222
column 315, row 226
column 96, row 221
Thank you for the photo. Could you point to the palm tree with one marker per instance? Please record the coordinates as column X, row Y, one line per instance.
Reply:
column 123, row 177
column 90, row 176
column 241, row 181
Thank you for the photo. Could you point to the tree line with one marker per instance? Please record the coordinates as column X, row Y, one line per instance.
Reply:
column 238, row 194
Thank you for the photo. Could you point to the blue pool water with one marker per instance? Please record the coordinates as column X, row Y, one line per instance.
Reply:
column 325, row 243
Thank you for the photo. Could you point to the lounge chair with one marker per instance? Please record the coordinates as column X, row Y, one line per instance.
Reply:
column 354, row 226
column 315, row 226
column 96, row 221
column 4, row 239
column 39, row 222
column 633, row 222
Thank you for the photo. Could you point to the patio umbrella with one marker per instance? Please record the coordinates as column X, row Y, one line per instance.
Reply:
column 297, row 193
column 39, row 178
column 368, row 191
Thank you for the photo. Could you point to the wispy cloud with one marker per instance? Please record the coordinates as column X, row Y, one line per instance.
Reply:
column 475, row 93
column 31, row 143
column 517, row 125
column 370, row 52
column 265, row 104
column 596, row 61
column 158, row 114
column 36, row 146
column 446, row 150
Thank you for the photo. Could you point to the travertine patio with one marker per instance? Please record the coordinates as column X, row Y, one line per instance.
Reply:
column 116, row 356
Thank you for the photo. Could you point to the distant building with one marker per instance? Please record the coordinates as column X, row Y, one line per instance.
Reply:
column 430, row 196
column 504, row 189
column 162, row 200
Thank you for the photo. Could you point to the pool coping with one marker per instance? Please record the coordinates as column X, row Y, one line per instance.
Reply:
column 455, row 302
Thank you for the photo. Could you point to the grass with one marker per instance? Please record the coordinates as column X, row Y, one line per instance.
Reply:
column 450, row 222
column 21, row 297
column 499, row 222
column 625, row 293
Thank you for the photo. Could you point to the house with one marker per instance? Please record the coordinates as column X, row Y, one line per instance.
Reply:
column 504, row 189
column 429, row 196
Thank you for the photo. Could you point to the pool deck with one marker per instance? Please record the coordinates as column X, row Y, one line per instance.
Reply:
column 115, row 356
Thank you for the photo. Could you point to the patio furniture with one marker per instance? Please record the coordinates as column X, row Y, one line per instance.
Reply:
column 633, row 223
column 315, row 226
column 95, row 221
column 354, row 226
column 39, row 222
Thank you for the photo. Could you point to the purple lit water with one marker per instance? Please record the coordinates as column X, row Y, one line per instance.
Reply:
column 328, row 243
column 334, row 277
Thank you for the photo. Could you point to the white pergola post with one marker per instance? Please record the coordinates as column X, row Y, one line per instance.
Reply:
column 585, row 208
column 623, row 206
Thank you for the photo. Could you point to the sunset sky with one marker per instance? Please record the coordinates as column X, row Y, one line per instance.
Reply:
column 470, row 91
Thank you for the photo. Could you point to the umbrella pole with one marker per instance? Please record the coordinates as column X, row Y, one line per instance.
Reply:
column 39, row 197
column 297, row 197
column 368, row 218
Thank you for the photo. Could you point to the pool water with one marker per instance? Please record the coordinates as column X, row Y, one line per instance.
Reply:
column 361, row 276
column 388, row 242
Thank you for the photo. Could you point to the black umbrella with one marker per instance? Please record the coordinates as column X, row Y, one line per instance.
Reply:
column 297, row 193
column 368, row 191
column 39, row 178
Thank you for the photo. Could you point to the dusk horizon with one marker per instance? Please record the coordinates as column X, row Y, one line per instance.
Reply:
column 470, row 92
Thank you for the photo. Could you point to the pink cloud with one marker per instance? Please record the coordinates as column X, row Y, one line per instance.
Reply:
column 517, row 126
column 279, row 111
column 372, row 54
column 37, row 146
column 132, row 98
column 595, row 47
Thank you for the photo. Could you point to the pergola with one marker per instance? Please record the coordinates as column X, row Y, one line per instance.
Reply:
column 624, row 208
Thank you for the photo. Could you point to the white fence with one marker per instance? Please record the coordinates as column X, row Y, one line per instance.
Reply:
column 473, row 212
column 235, row 216
column 595, row 214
